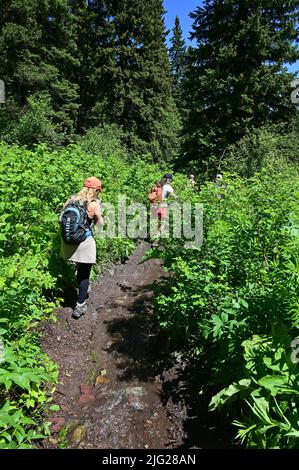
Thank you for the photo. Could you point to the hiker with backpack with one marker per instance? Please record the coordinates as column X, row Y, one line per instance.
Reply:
column 168, row 190
column 192, row 184
column 158, row 197
column 79, row 214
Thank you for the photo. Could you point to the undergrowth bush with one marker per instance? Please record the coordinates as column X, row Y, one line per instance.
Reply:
column 233, row 305
column 260, row 147
column 33, row 187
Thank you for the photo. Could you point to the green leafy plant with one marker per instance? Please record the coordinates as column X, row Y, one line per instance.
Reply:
column 33, row 187
column 233, row 305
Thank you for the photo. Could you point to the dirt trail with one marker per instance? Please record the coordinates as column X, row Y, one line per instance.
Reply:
column 119, row 386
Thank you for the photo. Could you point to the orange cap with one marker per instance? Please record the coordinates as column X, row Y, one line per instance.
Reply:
column 93, row 183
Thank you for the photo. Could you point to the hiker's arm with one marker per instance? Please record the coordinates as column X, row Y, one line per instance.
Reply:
column 99, row 222
column 172, row 194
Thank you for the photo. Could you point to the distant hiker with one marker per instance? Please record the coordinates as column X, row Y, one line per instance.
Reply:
column 155, row 193
column 220, row 185
column 168, row 190
column 191, row 183
column 79, row 214
column 218, row 179
column 158, row 197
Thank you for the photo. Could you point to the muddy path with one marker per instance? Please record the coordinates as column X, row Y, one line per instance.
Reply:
column 120, row 387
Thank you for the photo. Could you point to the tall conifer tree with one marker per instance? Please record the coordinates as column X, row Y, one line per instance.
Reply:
column 236, row 74
column 137, row 93
column 93, row 32
column 177, row 55
column 38, row 53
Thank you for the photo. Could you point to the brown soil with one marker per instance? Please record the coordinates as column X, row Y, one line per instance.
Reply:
column 119, row 384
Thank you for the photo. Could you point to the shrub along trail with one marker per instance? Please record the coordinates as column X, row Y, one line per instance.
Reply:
column 119, row 386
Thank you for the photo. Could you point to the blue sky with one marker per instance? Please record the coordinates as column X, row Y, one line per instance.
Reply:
column 182, row 8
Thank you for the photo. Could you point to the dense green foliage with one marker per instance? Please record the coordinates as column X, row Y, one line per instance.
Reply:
column 259, row 147
column 84, row 64
column 236, row 77
column 90, row 89
column 138, row 81
column 233, row 305
column 178, row 56
column 38, row 54
column 33, row 186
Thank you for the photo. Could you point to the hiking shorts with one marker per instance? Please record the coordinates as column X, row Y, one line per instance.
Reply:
column 159, row 213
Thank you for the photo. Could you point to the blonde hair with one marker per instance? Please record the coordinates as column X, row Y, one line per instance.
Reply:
column 85, row 196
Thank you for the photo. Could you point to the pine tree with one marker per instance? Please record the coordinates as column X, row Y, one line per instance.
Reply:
column 93, row 34
column 236, row 75
column 136, row 78
column 177, row 55
column 38, row 54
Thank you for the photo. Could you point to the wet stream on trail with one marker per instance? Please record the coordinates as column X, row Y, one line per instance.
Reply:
column 119, row 385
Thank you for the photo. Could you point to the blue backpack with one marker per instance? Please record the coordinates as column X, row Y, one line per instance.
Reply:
column 74, row 223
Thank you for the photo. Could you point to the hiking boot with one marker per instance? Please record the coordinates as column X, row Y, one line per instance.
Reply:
column 79, row 310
